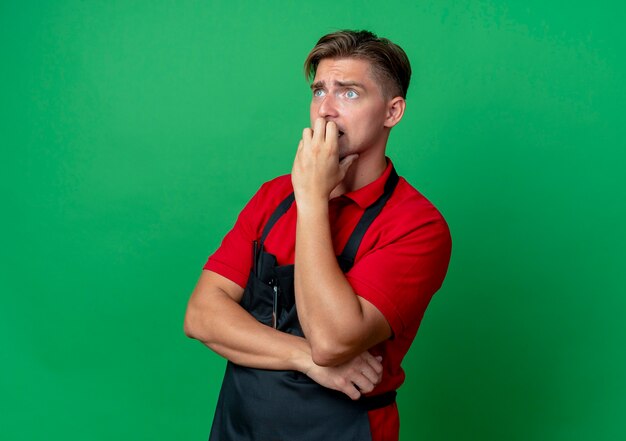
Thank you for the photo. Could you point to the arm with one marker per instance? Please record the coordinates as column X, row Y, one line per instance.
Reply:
column 215, row 318
column 338, row 323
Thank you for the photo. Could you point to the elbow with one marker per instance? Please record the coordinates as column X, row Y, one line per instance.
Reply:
column 198, row 325
column 191, row 325
column 188, row 328
column 324, row 359
column 330, row 352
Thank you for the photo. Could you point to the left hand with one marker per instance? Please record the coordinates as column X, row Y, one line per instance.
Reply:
column 317, row 169
column 354, row 378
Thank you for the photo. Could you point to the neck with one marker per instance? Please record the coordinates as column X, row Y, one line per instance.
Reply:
column 365, row 170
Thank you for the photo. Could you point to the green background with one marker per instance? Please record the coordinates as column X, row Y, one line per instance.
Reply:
column 132, row 133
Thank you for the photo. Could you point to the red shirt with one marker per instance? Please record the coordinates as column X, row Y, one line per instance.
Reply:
column 400, row 264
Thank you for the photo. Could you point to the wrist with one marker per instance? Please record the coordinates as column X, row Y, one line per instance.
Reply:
column 311, row 205
column 300, row 359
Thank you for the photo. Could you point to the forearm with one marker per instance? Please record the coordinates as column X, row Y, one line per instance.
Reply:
column 217, row 320
column 330, row 313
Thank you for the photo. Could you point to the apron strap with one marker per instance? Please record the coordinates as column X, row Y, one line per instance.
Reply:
column 346, row 259
column 280, row 210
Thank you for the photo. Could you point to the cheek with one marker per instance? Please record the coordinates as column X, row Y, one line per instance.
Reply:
column 363, row 120
column 373, row 118
column 313, row 112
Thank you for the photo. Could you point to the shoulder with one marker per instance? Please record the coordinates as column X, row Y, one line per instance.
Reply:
column 272, row 192
column 259, row 209
column 410, row 217
column 411, row 207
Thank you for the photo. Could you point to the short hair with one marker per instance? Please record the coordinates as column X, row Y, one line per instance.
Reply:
column 388, row 61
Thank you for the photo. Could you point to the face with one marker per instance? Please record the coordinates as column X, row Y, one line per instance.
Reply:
column 345, row 91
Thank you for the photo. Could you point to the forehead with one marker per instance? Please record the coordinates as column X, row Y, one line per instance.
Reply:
column 344, row 69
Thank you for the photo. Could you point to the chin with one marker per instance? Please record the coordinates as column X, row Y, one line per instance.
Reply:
column 345, row 150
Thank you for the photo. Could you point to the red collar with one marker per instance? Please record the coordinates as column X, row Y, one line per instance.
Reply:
column 367, row 195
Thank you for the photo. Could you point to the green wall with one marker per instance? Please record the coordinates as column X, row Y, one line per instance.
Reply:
column 132, row 133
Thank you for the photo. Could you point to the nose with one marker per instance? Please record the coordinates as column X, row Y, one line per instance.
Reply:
column 328, row 107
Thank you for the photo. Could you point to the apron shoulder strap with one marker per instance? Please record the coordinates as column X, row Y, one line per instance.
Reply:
column 278, row 212
column 346, row 259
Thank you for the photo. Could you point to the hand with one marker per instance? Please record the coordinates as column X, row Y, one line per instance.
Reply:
column 317, row 169
column 355, row 377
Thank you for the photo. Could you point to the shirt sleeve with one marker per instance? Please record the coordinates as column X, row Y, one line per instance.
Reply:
column 401, row 276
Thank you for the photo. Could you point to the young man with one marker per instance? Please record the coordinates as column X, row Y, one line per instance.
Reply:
column 317, row 292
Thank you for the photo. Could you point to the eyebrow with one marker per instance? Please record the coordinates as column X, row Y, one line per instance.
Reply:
column 322, row 84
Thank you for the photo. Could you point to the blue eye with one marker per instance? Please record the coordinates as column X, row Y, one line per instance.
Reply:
column 318, row 93
column 351, row 94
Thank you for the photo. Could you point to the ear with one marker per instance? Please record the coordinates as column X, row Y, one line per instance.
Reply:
column 395, row 110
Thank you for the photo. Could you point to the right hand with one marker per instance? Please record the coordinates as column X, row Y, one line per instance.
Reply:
column 355, row 377
column 317, row 167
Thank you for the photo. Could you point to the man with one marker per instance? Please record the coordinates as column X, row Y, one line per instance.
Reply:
column 317, row 292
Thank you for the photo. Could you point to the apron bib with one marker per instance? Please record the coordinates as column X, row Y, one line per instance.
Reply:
column 269, row 405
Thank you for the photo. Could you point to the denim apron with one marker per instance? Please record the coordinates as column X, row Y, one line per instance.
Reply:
column 270, row 405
